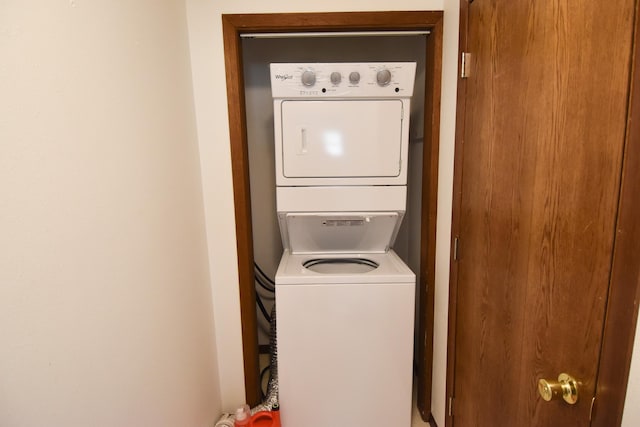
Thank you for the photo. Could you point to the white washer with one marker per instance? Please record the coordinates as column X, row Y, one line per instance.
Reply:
column 344, row 299
column 345, row 341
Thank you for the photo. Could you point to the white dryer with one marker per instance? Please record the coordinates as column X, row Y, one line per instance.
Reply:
column 344, row 299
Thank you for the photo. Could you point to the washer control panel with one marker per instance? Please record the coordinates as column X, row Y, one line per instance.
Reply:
column 343, row 80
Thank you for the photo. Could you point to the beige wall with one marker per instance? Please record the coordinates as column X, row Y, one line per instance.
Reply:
column 631, row 414
column 105, row 303
column 211, row 111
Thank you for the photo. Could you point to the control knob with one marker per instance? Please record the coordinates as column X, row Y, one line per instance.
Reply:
column 383, row 77
column 336, row 78
column 354, row 77
column 308, row 78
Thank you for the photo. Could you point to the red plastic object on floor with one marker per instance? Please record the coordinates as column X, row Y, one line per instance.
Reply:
column 259, row 419
column 266, row 419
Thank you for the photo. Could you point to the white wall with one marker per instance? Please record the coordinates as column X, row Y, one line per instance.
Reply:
column 105, row 304
column 631, row 416
column 211, row 111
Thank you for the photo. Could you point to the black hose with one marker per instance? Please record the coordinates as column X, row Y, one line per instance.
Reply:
column 263, row 285
column 320, row 261
column 262, row 308
column 264, row 371
column 257, row 267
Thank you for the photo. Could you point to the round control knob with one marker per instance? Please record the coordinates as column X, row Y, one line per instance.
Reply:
column 336, row 78
column 354, row 77
column 383, row 77
column 308, row 78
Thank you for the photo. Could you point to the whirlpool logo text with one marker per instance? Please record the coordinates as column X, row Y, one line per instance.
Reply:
column 283, row 76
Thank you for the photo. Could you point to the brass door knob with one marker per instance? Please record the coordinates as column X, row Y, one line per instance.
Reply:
column 566, row 387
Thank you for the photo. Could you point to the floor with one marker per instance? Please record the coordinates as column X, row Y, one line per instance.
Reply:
column 417, row 421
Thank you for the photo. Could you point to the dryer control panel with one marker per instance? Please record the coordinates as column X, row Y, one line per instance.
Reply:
column 343, row 80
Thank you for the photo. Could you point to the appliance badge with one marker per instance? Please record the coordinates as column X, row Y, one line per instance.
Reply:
column 284, row 77
column 343, row 222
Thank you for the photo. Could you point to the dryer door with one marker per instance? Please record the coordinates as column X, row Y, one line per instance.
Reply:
column 342, row 138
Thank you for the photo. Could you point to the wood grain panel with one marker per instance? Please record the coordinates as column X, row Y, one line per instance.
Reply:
column 347, row 21
column 544, row 132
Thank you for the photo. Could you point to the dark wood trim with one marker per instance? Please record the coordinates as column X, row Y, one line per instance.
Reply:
column 433, row 82
column 242, row 202
column 456, row 208
column 338, row 21
column 236, row 24
column 624, row 289
column 432, row 422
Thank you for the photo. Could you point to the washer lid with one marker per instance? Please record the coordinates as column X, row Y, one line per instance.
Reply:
column 365, row 232
column 391, row 270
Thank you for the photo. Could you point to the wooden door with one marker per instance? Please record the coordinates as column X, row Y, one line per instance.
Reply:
column 543, row 137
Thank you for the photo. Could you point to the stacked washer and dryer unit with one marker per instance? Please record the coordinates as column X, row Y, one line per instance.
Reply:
column 344, row 299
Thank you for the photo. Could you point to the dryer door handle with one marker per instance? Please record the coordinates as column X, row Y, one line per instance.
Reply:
column 303, row 142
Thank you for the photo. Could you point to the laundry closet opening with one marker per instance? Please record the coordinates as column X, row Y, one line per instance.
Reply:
column 253, row 150
column 258, row 53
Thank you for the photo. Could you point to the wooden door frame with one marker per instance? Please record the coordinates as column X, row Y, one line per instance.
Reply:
column 624, row 288
column 624, row 285
column 233, row 25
